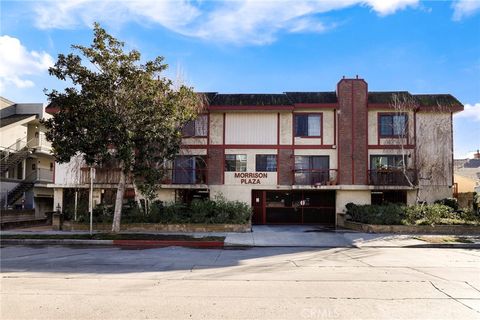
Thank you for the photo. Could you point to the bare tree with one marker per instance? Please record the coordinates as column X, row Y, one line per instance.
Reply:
column 431, row 139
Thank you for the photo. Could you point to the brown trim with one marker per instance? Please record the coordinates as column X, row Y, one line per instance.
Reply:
column 315, row 105
column 390, row 146
column 257, row 146
column 250, row 108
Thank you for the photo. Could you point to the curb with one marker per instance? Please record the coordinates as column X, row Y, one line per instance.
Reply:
column 212, row 244
column 119, row 243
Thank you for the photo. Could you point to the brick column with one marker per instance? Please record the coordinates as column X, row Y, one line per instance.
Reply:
column 285, row 166
column 215, row 166
column 352, row 131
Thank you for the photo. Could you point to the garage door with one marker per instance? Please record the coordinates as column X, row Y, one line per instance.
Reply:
column 293, row 207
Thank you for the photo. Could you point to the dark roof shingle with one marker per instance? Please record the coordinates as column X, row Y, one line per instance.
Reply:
column 312, row 97
column 434, row 100
column 250, row 100
column 14, row 118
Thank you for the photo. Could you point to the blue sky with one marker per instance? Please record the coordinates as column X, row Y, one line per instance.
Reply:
column 263, row 46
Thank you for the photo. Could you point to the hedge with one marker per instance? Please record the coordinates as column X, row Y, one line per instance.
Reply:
column 420, row 214
column 216, row 211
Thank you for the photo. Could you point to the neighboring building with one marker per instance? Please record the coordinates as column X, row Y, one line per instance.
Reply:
column 27, row 165
column 467, row 180
column 300, row 157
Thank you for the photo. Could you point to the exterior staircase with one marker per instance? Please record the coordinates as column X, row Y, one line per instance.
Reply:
column 17, row 192
column 12, row 159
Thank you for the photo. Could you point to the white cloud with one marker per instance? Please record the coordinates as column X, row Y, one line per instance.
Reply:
column 237, row 21
column 16, row 62
column 465, row 8
column 471, row 112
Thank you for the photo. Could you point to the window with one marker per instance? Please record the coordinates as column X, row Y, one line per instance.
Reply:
column 392, row 125
column 386, row 161
column 311, row 169
column 308, row 125
column 197, row 127
column 266, row 163
column 236, row 162
column 189, row 170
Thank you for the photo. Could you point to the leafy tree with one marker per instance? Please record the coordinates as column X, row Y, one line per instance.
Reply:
column 118, row 111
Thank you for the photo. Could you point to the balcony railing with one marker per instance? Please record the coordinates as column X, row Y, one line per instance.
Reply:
column 315, row 177
column 185, row 176
column 172, row 176
column 392, row 177
column 102, row 175
column 44, row 175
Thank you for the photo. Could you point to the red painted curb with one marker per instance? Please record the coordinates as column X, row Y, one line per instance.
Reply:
column 168, row 243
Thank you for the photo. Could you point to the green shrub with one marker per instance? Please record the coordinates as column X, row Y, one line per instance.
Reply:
column 376, row 214
column 429, row 214
column 450, row 202
column 420, row 214
column 218, row 210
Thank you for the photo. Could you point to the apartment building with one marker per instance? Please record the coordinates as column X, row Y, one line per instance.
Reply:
column 300, row 157
column 26, row 165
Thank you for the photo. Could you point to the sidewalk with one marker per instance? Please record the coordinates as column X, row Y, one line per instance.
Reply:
column 270, row 236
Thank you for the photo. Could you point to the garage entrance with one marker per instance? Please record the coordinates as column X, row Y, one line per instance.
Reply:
column 293, row 207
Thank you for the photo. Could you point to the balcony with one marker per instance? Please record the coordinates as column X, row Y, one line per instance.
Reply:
column 185, row 176
column 392, row 177
column 315, row 177
column 101, row 176
column 172, row 176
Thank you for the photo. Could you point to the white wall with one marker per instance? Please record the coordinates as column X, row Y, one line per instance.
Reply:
column 251, row 128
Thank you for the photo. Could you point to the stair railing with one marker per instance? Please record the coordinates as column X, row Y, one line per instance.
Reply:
column 19, row 145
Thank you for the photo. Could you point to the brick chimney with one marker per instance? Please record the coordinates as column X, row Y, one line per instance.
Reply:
column 476, row 155
column 352, row 131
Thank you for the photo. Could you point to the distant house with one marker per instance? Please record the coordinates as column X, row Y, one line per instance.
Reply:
column 300, row 157
column 467, row 179
column 27, row 164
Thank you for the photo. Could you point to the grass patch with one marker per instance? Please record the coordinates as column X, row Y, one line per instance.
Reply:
column 113, row 236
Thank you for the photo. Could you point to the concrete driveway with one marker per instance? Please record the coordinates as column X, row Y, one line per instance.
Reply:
column 315, row 236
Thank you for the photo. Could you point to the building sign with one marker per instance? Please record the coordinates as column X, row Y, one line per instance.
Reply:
column 250, row 177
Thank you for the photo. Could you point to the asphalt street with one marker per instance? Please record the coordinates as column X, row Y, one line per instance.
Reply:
column 58, row 282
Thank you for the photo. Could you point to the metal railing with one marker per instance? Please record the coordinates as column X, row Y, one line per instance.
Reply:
column 172, row 176
column 392, row 177
column 315, row 177
column 102, row 175
column 185, row 176
column 44, row 175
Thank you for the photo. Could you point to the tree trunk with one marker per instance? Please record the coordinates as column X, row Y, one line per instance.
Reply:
column 137, row 196
column 117, row 214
